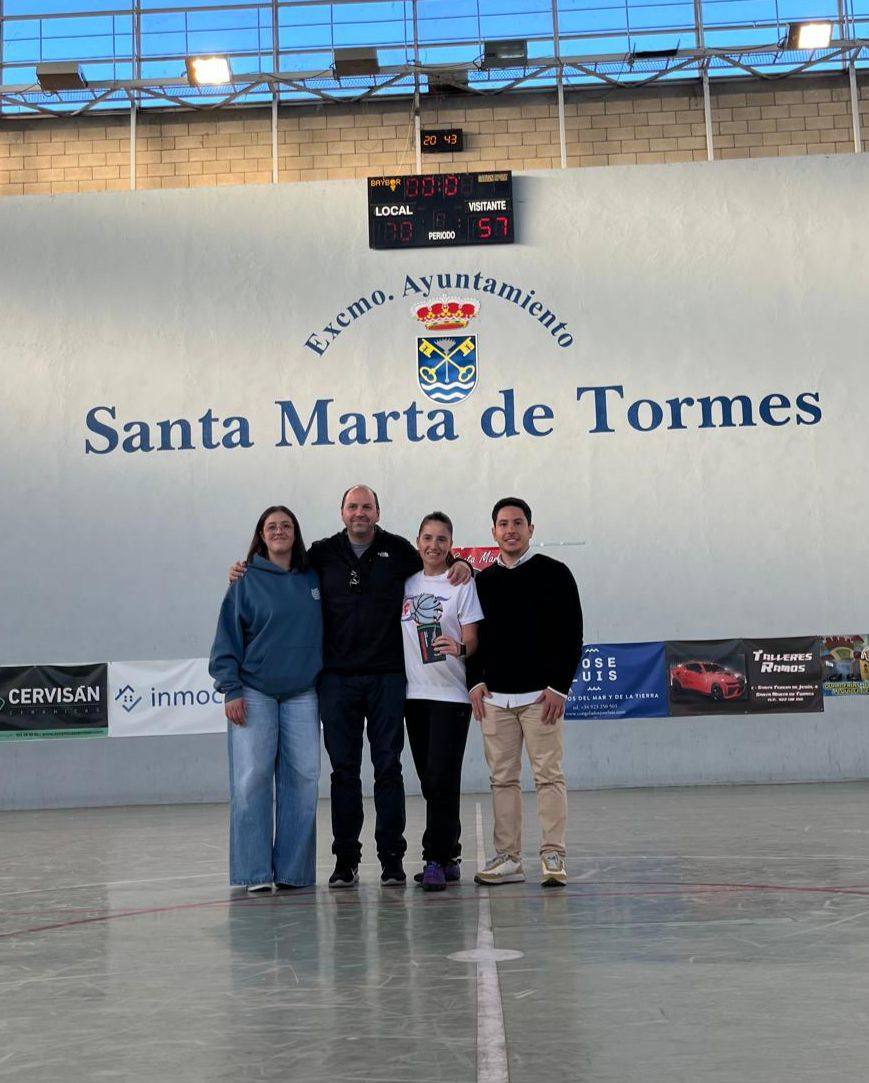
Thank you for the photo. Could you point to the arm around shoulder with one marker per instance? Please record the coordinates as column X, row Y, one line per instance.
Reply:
column 410, row 562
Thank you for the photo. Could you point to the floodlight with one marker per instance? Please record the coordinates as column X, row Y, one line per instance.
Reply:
column 505, row 54
column 448, row 82
column 655, row 54
column 355, row 62
column 809, row 35
column 55, row 76
column 208, row 70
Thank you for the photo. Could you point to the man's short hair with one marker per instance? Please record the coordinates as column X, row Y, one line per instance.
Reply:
column 368, row 487
column 511, row 502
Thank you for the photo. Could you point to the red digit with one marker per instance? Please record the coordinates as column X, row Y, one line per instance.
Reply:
column 503, row 224
column 406, row 231
column 428, row 187
column 451, row 184
column 484, row 228
column 411, row 187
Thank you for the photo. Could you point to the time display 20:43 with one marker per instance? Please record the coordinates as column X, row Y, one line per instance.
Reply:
column 434, row 209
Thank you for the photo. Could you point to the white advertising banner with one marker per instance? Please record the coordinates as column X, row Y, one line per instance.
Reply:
column 154, row 698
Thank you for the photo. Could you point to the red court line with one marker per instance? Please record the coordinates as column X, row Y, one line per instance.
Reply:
column 311, row 899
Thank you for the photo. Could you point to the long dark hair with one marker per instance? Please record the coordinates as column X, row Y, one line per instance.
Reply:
column 298, row 555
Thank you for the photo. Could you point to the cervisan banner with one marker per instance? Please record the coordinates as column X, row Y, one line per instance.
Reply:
column 53, row 701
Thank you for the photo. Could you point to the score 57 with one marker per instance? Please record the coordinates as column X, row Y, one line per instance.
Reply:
column 492, row 225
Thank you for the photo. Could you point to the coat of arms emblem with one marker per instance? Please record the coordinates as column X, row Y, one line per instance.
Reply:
column 446, row 365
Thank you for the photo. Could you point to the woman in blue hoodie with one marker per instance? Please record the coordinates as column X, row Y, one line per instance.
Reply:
column 266, row 656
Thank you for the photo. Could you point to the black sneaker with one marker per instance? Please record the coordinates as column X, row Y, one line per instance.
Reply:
column 345, row 875
column 393, row 872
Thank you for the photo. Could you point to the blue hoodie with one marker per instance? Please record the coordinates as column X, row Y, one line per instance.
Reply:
column 269, row 633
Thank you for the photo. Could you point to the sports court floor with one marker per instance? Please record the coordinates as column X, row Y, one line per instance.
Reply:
column 710, row 934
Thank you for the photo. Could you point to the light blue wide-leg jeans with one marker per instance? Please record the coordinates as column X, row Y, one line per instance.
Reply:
column 274, row 769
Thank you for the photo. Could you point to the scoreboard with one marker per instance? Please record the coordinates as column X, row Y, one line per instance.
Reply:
column 440, row 209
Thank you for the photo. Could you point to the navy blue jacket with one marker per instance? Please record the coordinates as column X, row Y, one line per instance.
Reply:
column 363, row 621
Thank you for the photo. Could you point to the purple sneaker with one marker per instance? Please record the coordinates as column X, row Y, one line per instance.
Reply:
column 452, row 873
column 433, row 878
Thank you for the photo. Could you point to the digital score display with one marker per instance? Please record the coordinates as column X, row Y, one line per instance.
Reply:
column 440, row 209
column 442, row 141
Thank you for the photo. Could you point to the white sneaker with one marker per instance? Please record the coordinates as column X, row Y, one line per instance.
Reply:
column 259, row 889
column 502, row 869
column 554, row 872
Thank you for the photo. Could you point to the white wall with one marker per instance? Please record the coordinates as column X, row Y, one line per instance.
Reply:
column 741, row 278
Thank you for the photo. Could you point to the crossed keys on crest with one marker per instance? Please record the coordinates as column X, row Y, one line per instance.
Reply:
column 446, row 348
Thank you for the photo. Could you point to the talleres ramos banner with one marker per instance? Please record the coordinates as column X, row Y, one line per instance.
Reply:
column 157, row 698
column 53, row 701
column 619, row 680
column 744, row 676
column 845, row 665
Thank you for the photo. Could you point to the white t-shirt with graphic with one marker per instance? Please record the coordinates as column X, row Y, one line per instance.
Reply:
column 432, row 599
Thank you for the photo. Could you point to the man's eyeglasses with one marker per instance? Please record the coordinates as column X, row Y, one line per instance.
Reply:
column 355, row 582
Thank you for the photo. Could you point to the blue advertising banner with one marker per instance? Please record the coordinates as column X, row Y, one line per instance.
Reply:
column 619, row 680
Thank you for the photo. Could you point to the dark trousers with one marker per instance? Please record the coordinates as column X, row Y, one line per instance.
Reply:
column 346, row 703
column 438, row 733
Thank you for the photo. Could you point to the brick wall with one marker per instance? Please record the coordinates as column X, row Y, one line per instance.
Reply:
column 188, row 150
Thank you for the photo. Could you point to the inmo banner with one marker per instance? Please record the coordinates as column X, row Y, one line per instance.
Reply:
column 153, row 698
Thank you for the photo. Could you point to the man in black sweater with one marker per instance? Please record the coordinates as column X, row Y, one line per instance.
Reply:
column 530, row 645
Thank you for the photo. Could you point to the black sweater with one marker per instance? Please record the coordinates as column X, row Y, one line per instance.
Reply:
column 362, row 624
column 532, row 635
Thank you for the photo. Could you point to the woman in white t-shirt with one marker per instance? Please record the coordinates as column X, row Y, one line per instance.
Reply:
column 439, row 626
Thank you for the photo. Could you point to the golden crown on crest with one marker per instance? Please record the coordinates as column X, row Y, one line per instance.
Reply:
column 446, row 313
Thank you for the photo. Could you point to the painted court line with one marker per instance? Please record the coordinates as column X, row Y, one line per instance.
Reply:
column 491, row 1037
column 112, row 883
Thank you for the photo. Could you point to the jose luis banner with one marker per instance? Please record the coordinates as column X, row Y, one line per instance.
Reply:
column 619, row 680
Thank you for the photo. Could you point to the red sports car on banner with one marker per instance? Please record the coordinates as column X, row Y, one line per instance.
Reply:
column 707, row 678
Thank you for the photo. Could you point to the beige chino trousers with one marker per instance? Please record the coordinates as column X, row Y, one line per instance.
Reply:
column 504, row 730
